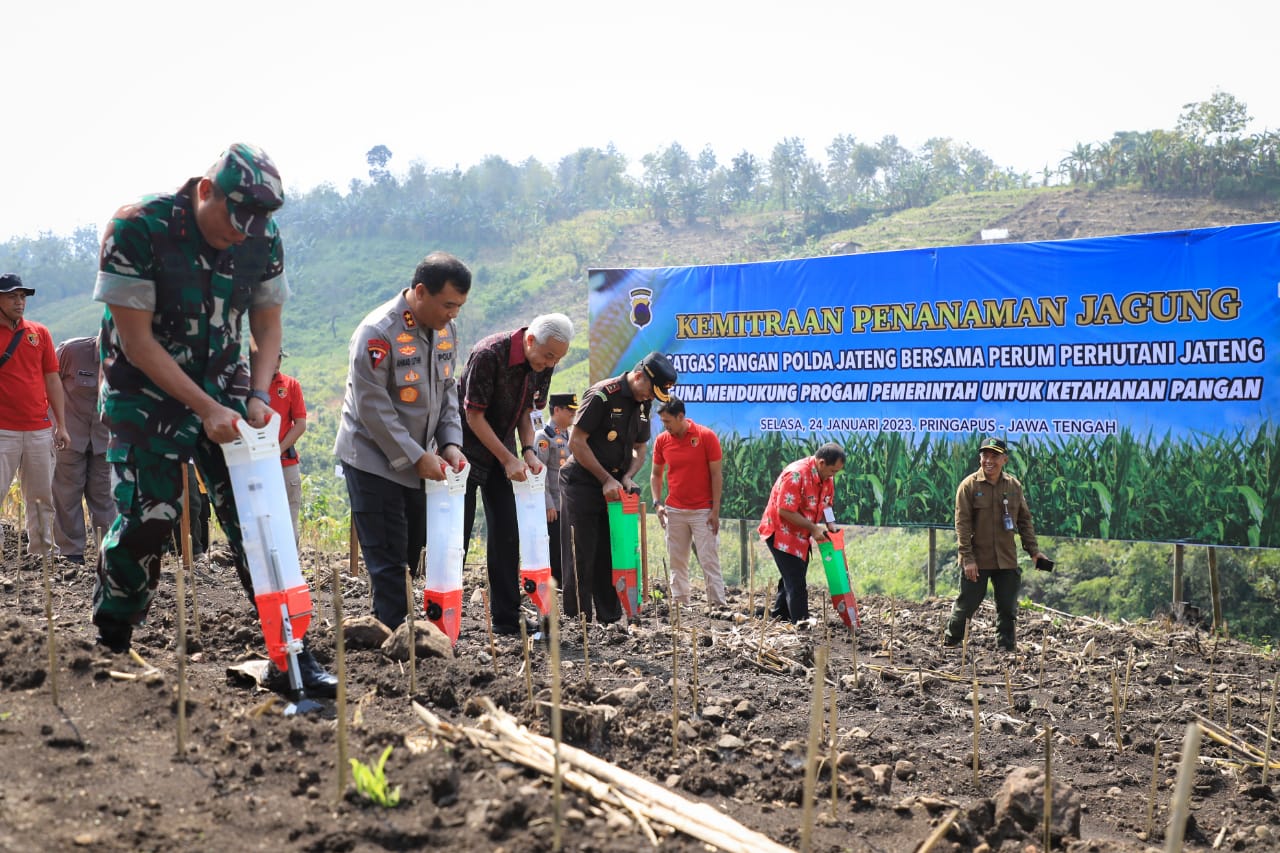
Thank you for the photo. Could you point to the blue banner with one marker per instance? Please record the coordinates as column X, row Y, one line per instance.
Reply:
column 1146, row 341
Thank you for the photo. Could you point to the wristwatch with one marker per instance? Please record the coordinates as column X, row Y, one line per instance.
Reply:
column 255, row 394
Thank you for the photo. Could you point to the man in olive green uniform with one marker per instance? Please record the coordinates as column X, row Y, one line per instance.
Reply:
column 178, row 273
column 81, row 474
column 608, row 442
column 990, row 507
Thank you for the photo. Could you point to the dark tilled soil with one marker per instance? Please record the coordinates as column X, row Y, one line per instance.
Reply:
column 99, row 769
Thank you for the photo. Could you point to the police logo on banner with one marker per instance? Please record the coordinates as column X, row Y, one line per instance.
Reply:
column 641, row 310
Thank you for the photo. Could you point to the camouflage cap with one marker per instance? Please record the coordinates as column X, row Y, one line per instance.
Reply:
column 250, row 181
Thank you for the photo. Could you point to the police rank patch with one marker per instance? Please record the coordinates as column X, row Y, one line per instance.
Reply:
column 409, row 322
column 378, row 350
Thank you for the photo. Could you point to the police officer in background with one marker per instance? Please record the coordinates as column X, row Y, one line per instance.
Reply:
column 552, row 443
column 80, row 473
column 400, row 423
column 608, row 442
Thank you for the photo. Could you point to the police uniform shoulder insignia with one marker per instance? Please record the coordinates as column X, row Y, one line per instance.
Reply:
column 378, row 350
column 409, row 322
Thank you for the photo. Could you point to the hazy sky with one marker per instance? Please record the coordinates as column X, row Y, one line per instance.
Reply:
column 104, row 102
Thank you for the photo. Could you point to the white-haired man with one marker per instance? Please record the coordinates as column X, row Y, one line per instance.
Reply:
column 507, row 376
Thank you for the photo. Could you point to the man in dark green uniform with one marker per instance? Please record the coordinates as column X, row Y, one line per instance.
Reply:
column 608, row 442
column 178, row 273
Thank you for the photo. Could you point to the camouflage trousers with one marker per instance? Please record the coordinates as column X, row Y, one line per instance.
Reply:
column 147, row 489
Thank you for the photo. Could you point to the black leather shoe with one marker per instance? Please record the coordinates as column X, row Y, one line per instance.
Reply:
column 114, row 635
column 316, row 681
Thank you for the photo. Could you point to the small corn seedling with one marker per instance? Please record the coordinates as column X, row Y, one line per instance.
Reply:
column 371, row 782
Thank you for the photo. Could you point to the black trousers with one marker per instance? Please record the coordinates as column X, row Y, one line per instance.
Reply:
column 586, row 559
column 792, row 601
column 1005, row 583
column 553, row 544
column 502, row 548
column 391, row 524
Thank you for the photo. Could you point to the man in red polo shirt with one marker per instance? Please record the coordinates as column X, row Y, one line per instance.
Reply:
column 30, row 387
column 286, row 400
column 691, row 458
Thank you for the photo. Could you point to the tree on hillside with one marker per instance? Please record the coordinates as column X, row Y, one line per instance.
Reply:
column 743, row 178
column 378, row 157
column 785, row 166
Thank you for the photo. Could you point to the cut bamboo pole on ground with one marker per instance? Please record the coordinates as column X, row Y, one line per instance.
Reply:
column 410, row 627
column 1181, row 805
column 500, row 734
column 557, row 776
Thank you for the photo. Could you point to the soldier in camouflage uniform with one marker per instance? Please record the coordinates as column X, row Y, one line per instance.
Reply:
column 178, row 273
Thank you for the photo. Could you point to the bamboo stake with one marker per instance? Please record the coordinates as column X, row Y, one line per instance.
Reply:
column 1228, row 726
column 586, row 648
column 353, row 548
column 694, row 631
column 1124, row 699
column 409, row 620
column 938, row 833
column 893, row 627
column 488, row 626
column 1008, row 687
column 1115, row 707
column 1151, row 797
column 340, row 664
column 48, row 618
column 557, row 779
column 751, row 583
column 1271, row 719
column 675, row 679
column 833, row 757
column 186, row 551
column 1044, row 653
column 857, row 679
column 811, row 758
column 1048, row 787
column 528, row 674
column 644, row 555
column 1182, row 793
column 181, row 654
column 964, row 644
column 977, row 724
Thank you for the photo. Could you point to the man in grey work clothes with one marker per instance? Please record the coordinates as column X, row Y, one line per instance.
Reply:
column 81, row 471
column 400, row 422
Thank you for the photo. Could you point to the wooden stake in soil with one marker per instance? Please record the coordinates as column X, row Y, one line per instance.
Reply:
column 1008, row 688
column 1271, row 720
column 1151, row 797
column 977, row 724
column 586, row 648
column 811, row 757
column 833, row 756
column 1128, row 668
column 340, row 666
column 1228, row 726
column 1048, row 787
column 52, row 639
column 557, row 781
column 964, row 643
column 528, row 674
column 353, row 548
column 1044, row 653
column 644, row 555
column 1182, row 793
column 694, row 646
column 675, row 678
column 181, row 653
column 488, row 627
column 893, row 627
column 1115, row 708
column 186, row 552
column 409, row 625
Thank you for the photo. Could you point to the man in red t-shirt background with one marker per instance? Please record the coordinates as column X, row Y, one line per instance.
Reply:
column 689, row 454
column 286, row 400
column 30, row 387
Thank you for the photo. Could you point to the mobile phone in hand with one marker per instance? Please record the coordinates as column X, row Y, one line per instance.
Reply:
column 1044, row 564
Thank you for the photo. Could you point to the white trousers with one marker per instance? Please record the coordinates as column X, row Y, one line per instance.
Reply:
column 686, row 528
column 29, row 455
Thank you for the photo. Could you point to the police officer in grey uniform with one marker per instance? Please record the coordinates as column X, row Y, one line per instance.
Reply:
column 610, row 434
column 81, row 470
column 400, row 422
column 552, row 445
